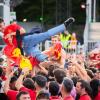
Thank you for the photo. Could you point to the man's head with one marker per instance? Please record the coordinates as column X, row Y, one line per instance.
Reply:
column 29, row 83
column 2, row 25
column 83, row 87
column 59, row 75
column 67, row 86
column 40, row 81
column 51, row 68
column 54, row 39
column 23, row 95
column 13, row 82
column 66, row 32
column 53, row 88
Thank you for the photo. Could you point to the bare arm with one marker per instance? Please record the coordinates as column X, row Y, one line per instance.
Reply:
column 6, row 86
column 82, row 72
column 22, row 31
column 9, row 74
column 43, row 69
column 19, row 82
column 63, row 58
column 48, row 52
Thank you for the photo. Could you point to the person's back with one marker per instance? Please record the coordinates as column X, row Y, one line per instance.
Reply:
column 67, row 86
column 54, row 90
column 85, row 97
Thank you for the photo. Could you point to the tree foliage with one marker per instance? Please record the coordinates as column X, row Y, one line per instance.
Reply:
column 14, row 3
column 52, row 9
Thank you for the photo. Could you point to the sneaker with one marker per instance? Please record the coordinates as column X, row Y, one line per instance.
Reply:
column 69, row 21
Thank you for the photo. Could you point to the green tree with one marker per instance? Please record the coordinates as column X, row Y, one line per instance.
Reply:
column 32, row 10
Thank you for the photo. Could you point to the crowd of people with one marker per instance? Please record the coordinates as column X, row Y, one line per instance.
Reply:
column 50, row 75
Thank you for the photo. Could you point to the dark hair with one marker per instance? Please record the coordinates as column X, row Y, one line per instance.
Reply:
column 59, row 75
column 41, row 80
column 43, row 95
column 13, row 79
column 93, row 69
column 29, row 83
column 55, row 36
column 43, row 74
column 1, row 20
column 86, row 85
column 75, row 79
column 50, row 70
column 94, row 85
column 68, row 84
column 1, row 60
column 53, row 88
column 90, row 73
column 1, row 71
column 21, row 93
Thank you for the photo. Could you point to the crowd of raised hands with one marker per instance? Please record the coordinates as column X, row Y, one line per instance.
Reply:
column 76, row 80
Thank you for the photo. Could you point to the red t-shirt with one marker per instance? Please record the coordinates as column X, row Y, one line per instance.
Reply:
column 55, row 98
column 9, row 29
column 12, row 94
column 31, row 92
column 98, row 96
column 68, row 98
column 85, row 97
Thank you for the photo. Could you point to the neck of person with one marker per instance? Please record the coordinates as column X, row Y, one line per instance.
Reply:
column 83, row 93
column 38, row 89
column 65, row 95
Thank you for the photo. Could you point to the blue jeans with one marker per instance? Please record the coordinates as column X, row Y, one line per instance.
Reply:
column 30, row 42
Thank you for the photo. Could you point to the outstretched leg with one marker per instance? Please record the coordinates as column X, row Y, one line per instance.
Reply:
column 31, row 41
column 34, row 39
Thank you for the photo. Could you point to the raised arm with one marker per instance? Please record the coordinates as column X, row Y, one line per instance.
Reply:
column 6, row 86
column 19, row 82
column 82, row 72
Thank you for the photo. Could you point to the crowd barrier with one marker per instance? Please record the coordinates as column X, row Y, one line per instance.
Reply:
column 79, row 48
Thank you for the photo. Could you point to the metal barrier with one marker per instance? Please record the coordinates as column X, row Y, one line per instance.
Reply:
column 79, row 48
column 47, row 44
column 91, row 45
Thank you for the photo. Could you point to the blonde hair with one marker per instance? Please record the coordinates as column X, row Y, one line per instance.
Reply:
column 56, row 36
